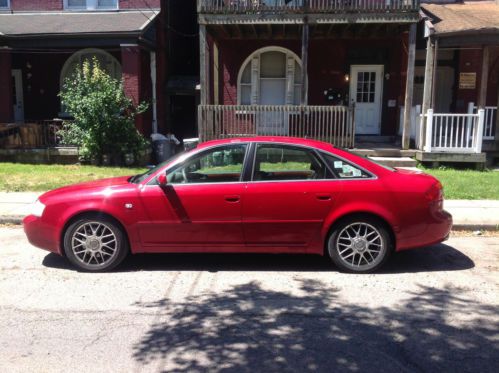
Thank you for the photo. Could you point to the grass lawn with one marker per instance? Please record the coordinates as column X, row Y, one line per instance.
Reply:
column 458, row 184
column 16, row 177
column 467, row 184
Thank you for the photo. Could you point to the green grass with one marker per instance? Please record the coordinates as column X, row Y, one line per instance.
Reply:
column 466, row 184
column 458, row 184
column 16, row 177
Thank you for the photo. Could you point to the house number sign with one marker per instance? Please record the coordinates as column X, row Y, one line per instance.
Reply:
column 467, row 80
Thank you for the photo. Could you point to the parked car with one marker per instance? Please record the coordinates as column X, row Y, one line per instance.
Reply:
column 247, row 195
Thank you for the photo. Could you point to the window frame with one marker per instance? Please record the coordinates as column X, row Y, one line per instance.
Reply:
column 253, row 62
column 92, row 7
column 311, row 150
column 6, row 7
column 200, row 154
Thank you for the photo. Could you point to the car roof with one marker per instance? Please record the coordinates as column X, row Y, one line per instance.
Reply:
column 270, row 139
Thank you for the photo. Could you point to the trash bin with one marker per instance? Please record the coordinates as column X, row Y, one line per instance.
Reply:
column 190, row 143
column 163, row 146
column 163, row 149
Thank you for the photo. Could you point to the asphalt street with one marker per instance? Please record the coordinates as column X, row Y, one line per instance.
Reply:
column 432, row 309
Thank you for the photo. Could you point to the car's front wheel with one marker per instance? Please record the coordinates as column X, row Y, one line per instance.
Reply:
column 95, row 244
column 359, row 245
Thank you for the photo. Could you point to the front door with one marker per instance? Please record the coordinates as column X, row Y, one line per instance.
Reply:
column 17, row 93
column 200, row 207
column 366, row 86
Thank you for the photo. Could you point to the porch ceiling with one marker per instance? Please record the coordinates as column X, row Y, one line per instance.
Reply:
column 317, row 31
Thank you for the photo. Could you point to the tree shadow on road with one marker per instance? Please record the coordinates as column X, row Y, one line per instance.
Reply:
column 311, row 328
column 434, row 258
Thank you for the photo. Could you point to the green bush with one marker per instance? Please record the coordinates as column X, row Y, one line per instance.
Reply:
column 104, row 117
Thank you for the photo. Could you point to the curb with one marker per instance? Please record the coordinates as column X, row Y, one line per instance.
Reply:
column 18, row 220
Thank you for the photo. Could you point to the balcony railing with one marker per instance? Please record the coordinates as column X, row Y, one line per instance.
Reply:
column 333, row 124
column 304, row 6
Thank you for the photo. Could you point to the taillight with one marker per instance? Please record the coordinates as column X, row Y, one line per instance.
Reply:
column 435, row 193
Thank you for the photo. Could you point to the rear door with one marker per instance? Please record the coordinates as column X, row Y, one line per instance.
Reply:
column 289, row 196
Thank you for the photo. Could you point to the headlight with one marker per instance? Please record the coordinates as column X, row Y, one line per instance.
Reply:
column 37, row 208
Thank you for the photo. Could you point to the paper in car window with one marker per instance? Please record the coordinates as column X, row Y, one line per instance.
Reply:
column 349, row 171
column 338, row 164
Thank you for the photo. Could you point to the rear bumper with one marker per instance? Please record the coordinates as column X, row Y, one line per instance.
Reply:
column 41, row 234
column 437, row 230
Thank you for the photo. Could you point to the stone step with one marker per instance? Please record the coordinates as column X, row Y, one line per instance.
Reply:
column 396, row 161
column 384, row 152
column 375, row 138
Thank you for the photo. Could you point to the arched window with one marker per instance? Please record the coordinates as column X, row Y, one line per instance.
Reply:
column 270, row 76
column 106, row 61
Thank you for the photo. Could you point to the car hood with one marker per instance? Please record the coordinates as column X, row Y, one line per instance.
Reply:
column 88, row 186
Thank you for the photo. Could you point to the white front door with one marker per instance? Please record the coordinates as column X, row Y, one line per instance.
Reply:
column 366, row 91
column 17, row 92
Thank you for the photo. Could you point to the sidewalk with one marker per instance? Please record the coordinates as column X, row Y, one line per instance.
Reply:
column 467, row 215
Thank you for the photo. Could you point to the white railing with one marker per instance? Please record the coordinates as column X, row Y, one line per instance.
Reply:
column 489, row 121
column 456, row 133
column 333, row 124
column 301, row 6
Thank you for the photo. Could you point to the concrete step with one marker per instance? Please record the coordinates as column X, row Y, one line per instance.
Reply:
column 384, row 152
column 375, row 138
column 396, row 161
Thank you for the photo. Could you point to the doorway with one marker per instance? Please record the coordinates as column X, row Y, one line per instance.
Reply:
column 17, row 95
column 366, row 91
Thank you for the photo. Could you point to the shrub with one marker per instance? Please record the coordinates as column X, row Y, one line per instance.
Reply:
column 104, row 117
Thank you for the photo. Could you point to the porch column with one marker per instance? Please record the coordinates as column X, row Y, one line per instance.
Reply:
column 204, row 64
column 427, row 90
column 482, row 95
column 409, row 87
column 304, row 61
column 496, row 137
column 153, row 98
column 131, row 74
column 6, row 104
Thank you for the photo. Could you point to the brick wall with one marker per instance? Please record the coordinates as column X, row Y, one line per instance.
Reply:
column 22, row 5
column 328, row 64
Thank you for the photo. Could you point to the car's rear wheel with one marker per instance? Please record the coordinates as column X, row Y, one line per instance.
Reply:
column 95, row 244
column 360, row 244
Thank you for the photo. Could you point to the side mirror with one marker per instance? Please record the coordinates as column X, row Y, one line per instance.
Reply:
column 162, row 180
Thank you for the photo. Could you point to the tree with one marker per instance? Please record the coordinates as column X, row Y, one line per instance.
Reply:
column 104, row 117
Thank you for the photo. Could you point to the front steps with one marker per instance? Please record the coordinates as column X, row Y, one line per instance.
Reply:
column 395, row 161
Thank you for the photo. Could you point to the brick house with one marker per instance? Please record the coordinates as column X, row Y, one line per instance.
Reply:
column 42, row 41
column 344, row 71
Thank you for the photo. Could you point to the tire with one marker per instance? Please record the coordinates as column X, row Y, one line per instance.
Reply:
column 359, row 244
column 95, row 244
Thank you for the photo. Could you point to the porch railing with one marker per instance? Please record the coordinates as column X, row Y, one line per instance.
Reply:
column 30, row 135
column 489, row 121
column 456, row 133
column 333, row 124
column 302, row 6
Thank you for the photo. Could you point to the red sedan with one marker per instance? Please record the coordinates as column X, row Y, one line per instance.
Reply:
column 248, row 195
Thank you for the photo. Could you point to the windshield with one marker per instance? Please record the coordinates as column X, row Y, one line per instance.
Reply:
column 141, row 177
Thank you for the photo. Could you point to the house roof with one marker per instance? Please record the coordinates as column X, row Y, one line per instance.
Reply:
column 463, row 18
column 74, row 23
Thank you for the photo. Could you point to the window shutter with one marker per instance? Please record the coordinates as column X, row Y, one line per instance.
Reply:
column 290, row 80
column 255, row 80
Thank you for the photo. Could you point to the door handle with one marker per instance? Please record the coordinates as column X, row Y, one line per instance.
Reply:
column 232, row 199
column 323, row 197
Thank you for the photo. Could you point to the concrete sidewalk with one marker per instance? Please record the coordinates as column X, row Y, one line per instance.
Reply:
column 467, row 215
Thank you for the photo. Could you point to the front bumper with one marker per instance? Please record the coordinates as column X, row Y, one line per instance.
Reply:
column 40, row 234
